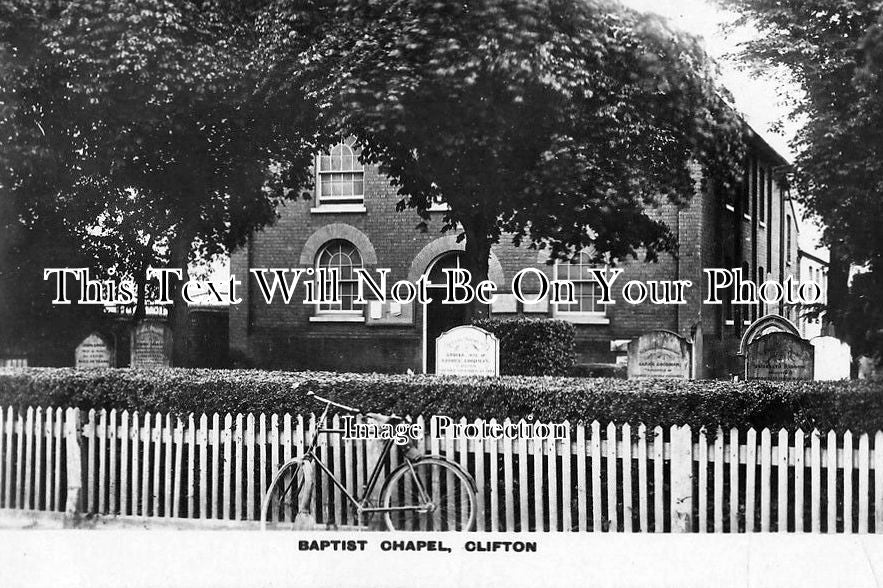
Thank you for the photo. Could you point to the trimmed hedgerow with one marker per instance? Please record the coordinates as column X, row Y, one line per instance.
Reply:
column 857, row 406
column 532, row 347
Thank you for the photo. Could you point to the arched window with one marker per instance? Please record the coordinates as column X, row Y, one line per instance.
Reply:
column 342, row 256
column 341, row 177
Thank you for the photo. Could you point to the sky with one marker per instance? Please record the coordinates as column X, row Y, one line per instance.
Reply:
column 761, row 100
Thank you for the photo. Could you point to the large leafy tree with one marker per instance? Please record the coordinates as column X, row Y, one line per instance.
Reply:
column 834, row 51
column 558, row 122
column 137, row 124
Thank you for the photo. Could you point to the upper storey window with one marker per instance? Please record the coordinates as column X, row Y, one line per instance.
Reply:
column 340, row 181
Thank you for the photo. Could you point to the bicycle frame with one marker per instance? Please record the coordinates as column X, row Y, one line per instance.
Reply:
column 361, row 504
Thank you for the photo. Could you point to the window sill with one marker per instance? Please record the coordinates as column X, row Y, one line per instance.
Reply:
column 746, row 216
column 337, row 318
column 338, row 208
column 730, row 207
column 583, row 318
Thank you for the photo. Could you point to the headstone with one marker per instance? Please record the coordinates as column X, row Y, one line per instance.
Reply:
column 659, row 354
column 93, row 352
column 467, row 351
column 779, row 356
column 151, row 345
column 832, row 360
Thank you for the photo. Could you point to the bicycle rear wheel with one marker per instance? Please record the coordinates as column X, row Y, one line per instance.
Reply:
column 430, row 495
column 285, row 498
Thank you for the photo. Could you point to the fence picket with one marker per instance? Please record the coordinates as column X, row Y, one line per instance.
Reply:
column 337, row 452
column 125, row 441
column 848, row 472
column 750, row 477
column 878, row 482
column 537, row 449
column 102, row 461
column 146, row 442
column 178, row 440
column 237, row 461
column 863, row 465
column 156, row 439
column 524, row 489
column 765, row 488
column 719, row 481
column 597, row 523
column 38, row 458
column 703, row 481
column 135, row 434
column 202, row 440
column 831, row 510
column 782, row 482
column 551, row 446
column 480, row 522
column 218, row 493
column 7, row 489
column 815, row 481
column 734, row 480
column 27, row 432
column 191, row 467
column 508, row 488
column 4, row 475
column 114, row 464
column 799, row 482
column 643, row 520
column 493, row 474
column 612, row 502
column 658, row 484
column 508, row 478
column 226, row 486
column 166, row 441
column 50, row 451
column 262, row 462
column 464, row 463
column 581, row 494
column 627, row 478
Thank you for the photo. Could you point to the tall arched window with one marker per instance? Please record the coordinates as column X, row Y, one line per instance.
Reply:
column 342, row 256
column 341, row 177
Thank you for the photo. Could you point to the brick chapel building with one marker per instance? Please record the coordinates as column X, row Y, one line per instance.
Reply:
column 351, row 221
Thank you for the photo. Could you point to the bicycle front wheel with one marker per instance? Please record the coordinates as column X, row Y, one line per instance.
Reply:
column 430, row 494
column 284, row 499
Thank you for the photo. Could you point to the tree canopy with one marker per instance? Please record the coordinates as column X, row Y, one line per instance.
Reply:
column 834, row 50
column 558, row 122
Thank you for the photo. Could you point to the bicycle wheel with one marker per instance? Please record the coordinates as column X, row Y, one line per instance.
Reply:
column 282, row 502
column 431, row 495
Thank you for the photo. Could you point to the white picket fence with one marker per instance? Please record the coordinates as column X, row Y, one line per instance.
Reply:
column 615, row 478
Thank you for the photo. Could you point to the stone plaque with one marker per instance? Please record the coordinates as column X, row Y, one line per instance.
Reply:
column 779, row 356
column 659, row 354
column 832, row 359
column 151, row 345
column 467, row 351
column 93, row 352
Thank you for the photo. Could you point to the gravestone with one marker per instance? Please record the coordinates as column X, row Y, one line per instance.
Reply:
column 151, row 345
column 467, row 351
column 659, row 354
column 93, row 352
column 779, row 356
column 832, row 358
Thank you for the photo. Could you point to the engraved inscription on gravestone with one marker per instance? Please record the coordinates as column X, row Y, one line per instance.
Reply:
column 151, row 345
column 93, row 352
column 779, row 356
column 467, row 351
column 659, row 354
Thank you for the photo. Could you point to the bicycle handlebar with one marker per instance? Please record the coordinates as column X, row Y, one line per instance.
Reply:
column 337, row 404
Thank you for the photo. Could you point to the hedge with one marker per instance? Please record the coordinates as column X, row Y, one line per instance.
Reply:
column 857, row 405
column 532, row 347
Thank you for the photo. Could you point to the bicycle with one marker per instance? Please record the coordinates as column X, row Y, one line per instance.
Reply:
column 425, row 492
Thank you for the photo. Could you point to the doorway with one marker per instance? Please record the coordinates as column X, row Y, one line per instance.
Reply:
column 438, row 317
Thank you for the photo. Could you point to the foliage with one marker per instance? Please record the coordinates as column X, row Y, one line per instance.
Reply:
column 532, row 347
column 856, row 405
column 136, row 127
column 833, row 50
column 556, row 123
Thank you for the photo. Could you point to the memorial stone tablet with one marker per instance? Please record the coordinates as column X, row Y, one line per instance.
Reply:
column 833, row 358
column 93, row 352
column 779, row 356
column 659, row 354
column 467, row 351
column 151, row 345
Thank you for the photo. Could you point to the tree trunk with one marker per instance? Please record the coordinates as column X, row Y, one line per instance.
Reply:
column 478, row 251
column 179, row 256
column 838, row 289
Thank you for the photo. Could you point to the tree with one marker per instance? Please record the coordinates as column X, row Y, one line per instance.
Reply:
column 146, row 112
column 556, row 122
column 832, row 48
